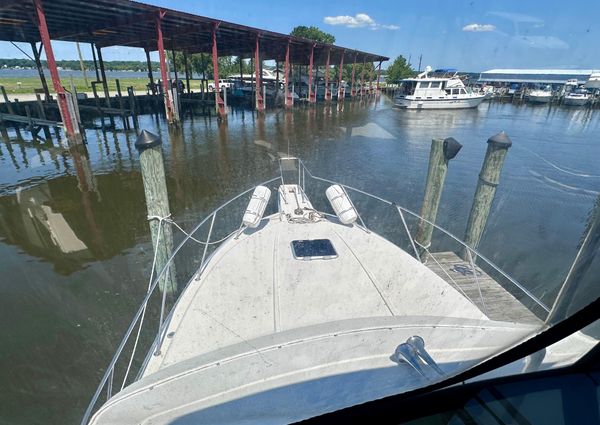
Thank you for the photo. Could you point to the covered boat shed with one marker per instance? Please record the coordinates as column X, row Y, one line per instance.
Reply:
column 535, row 76
column 107, row 23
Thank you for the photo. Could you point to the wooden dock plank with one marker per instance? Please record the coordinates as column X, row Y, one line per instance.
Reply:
column 498, row 303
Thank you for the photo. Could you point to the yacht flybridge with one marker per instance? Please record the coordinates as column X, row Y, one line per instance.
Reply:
column 307, row 302
column 439, row 89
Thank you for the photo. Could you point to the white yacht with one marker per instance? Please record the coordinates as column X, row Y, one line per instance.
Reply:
column 294, row 309
column 540, row 95
column 594, row 81
column 440, row 89
column 578, row 97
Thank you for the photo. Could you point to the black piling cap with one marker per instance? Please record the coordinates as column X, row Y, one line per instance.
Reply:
column 501, row 140
column 451, row 148
column 147, row 140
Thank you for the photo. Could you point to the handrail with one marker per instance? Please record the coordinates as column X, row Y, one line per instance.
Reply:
column 129, row 331
column 455, row 238
column 109, row 374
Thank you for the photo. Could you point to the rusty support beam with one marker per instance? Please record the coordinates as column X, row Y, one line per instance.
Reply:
column 58, row 88
column 289, row 99
column 341, row 90
column 371, row 79
column 352, row 88
column 312, row 96
column 163, row 68
column 378, row 77
column 327, row 91
column 260, row 102
column 219, row 104
column 362, row 79
column 40, row 69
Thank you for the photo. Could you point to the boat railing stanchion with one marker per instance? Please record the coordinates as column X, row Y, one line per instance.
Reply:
column 472, row 263
column 412, row 241
column 212, row 223
column 489, row 178
column 442, row 151
column 110, row 384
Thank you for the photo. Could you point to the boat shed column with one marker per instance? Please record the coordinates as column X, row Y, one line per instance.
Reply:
column 312, row 98
column 260, row 102
column 341, row 90
column 38, row 65
column 150, row 76
column 163, row 68
column 327, row 91
column 289, row 99
column 219, row 104
column 58, row 88
column 362, row 79
column 371, row 78
column 187, row 72
column 352, row 88
column 378, row 77
column 103, row 74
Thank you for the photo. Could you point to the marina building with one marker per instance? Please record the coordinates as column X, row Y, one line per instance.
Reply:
column 535, row 76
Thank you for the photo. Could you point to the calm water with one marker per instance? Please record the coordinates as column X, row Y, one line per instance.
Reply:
column 74, row 242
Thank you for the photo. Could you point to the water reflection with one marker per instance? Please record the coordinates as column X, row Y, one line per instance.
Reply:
column 77, row 218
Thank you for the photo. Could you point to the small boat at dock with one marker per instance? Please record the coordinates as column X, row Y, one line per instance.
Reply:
column 440, row 89
column 578, row 97
column 540, row 95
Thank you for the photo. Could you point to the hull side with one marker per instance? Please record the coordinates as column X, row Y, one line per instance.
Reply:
column 575, row 101
column 473, row 102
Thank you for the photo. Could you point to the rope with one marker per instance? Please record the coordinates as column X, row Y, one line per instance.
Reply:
column 310, row 216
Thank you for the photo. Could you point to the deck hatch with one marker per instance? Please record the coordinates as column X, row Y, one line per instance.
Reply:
column 313, row 249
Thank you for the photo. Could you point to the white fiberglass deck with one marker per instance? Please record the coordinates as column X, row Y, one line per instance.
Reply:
column 253, row 286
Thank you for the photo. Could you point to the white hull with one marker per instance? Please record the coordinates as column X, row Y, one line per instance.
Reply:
column 447, row 103
column 575, row 101
column 539, row 99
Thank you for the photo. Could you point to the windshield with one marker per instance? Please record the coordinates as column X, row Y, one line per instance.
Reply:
column 375, row 198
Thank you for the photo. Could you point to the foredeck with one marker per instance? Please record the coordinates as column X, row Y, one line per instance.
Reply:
column 253, row 286
column 500, row 304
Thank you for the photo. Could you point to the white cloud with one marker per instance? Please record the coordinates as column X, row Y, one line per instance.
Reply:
column 479, row 28
column 357, row 21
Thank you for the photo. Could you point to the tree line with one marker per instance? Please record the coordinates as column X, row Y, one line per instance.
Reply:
column 75, row 65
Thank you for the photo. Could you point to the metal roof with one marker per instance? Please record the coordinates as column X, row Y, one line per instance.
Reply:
column 133, row 24
column 535, row 76
column 540, row 71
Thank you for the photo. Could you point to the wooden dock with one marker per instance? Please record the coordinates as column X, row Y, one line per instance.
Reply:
column 500, row 304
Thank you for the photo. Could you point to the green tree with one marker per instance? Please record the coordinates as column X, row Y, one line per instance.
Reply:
column 399, row 70
column 313, row 33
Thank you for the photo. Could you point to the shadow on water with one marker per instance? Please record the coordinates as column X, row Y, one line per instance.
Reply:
column 75, row 244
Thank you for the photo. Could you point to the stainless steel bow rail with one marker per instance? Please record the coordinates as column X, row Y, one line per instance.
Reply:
column 119, row 371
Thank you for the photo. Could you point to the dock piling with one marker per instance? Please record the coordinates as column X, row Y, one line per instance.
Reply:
column 489, row 178
column 442, row 151
column 157, row 204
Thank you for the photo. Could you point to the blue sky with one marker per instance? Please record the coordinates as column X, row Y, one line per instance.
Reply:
column 469, row 35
